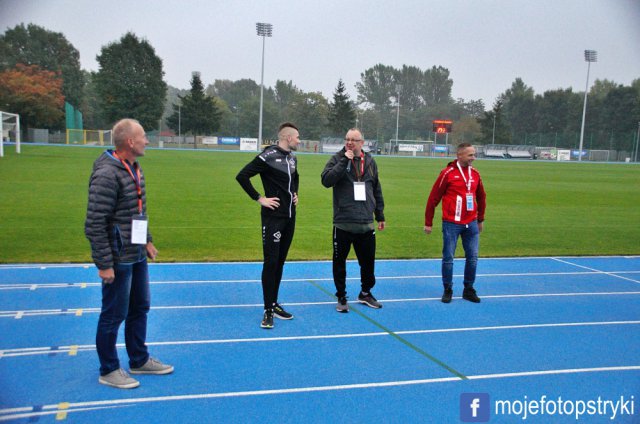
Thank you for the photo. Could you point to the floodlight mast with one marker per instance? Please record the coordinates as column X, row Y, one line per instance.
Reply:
column 398, row 90
column 264, row 30
column 589, row 56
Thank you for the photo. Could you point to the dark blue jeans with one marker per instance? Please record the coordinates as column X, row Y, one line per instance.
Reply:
column 470, row 236
column 126, row 299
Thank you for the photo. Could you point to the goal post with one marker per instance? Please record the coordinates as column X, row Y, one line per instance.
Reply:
column 9, row 122
column 90, row 137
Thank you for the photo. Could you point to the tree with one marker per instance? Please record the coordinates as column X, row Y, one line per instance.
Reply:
column 342, row 114
column 235, row 92
column 311, row 115
column 436, row 88
column 33, row 93
column 474, row 108
column 494, row 119
column 377, row 87
column 91, row 113
column 242, row 98
column 410, row 78
column 130, row 82
column 286, row 97
column 199, row 113
column 553, row 110
column 519, row 109
column 34, row 45
column 171, row 100
column 620, row 114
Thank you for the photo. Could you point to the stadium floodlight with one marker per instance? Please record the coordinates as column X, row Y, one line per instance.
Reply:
column 264, row 30
column 589, row 56
column 398, row 90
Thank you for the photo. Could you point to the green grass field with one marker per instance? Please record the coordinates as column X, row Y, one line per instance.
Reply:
column 198, row 212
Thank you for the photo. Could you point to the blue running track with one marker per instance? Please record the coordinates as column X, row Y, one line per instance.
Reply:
column 553, row 340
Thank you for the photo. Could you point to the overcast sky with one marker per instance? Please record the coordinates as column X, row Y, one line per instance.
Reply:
column 485, row 44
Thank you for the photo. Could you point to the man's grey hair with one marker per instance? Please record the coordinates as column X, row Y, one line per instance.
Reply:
column 122, row 130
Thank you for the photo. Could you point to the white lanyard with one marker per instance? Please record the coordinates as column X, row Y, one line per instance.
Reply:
column 467, row 182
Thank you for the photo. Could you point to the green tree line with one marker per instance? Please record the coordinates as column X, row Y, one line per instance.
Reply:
column 130, row 82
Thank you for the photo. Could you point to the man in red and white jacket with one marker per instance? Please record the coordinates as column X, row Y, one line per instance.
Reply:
column 460, row 189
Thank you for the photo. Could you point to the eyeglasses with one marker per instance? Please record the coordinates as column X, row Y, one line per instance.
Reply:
column 354, row 140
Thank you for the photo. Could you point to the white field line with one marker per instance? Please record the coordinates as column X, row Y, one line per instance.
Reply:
column 18, row 314
column 165, row 264
column 7, row 353
column 610, row 273
column 34, row 286
column 23, row 412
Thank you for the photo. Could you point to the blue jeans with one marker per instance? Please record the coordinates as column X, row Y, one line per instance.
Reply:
column 470, row 242
column 126, row 299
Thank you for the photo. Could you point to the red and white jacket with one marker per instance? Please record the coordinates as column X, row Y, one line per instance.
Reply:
column 451, row 188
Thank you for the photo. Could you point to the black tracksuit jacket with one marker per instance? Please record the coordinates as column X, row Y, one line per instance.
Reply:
column 278, row 170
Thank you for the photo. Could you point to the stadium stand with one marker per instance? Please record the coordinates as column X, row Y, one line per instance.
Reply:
column 495, row 151
column 518, row 152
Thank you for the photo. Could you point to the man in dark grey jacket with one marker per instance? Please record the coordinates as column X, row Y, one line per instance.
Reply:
column 116, row 227
column 357, row 198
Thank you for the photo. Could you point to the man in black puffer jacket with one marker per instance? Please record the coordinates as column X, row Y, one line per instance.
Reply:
column 357, row 198
column 116, row 227
column 278, row 169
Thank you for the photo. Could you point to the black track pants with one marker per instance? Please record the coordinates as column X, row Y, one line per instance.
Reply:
column 365, row 247
column 277, row 234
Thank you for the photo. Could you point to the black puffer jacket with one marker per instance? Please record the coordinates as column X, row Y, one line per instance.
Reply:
column 339, row 173
column 113, row 201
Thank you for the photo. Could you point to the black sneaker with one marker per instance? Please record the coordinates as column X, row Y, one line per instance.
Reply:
column 369, row 300
column 280, row 313
column 342, row 305
column 267, row 319
column 447, row 295
column 469, row 294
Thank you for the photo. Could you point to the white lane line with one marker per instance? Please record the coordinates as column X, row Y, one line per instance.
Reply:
column 610, row 273
column 30, row 286
column 65, row 349
column 24, row 412
column 206, row 264
column 73, row 311
column 73, row 407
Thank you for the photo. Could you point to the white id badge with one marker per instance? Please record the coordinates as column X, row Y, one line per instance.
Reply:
column 359, row 191
column 469, row 202
column 139, row 226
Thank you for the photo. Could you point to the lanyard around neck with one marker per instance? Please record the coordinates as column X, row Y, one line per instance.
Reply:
column 135, row 180
column 355, row 168
column 467, row 182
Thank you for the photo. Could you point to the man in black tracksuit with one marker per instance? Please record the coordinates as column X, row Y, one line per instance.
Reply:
column 278, row 169
column 357, row 198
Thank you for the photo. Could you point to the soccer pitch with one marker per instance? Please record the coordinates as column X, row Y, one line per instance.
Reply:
column 198, row 212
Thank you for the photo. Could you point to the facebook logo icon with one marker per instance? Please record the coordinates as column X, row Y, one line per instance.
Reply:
column 474, row 407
